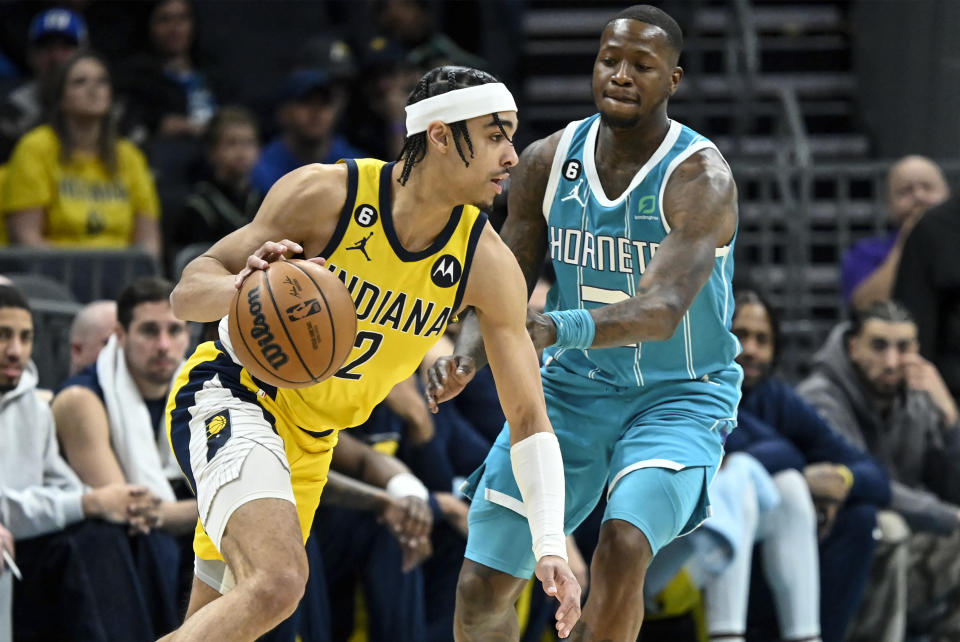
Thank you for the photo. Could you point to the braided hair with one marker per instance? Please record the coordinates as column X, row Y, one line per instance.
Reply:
column 433, row 83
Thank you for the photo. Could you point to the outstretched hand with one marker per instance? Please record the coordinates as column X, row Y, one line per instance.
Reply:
column 447, row 377
column 268, row 253
column 559, row 582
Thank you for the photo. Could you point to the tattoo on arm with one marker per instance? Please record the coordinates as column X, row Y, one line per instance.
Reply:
column 470, row 340
column 525, row 230
column 700, row 203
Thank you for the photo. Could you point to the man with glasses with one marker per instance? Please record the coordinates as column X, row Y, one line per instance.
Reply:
column 871, row 384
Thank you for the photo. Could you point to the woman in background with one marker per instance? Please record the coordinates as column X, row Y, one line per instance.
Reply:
column 72, row 182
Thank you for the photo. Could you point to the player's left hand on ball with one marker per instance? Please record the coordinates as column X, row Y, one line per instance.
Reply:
column 268, row 253
column 559, row 582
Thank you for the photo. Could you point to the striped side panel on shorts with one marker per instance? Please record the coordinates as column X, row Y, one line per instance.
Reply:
column 219, row 364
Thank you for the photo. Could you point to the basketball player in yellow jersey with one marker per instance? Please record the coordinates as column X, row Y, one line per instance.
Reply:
column 410, row 243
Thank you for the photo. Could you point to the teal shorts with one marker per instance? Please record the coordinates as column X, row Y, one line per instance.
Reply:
column 654, row 449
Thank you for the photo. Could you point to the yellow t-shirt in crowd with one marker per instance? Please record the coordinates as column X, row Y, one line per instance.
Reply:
column 85, row 206
column 3, row 220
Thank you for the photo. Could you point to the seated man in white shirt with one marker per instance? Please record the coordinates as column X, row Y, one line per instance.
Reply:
column 110, row 422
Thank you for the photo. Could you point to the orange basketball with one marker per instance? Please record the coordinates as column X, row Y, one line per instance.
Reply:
column 293, row 324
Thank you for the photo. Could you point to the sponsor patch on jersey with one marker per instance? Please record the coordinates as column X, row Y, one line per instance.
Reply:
column 446, row 271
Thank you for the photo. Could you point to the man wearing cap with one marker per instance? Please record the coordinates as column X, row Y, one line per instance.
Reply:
column 54, row 36
column 311, row 103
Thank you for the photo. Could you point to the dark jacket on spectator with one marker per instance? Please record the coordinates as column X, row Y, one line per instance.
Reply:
column 212, row 211
column 148, row 93
column 921, row 457
column 781, row 431
column 928, row 284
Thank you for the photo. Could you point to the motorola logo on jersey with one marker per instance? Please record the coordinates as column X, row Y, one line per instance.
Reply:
column 446, row 271
column 365, row 215
column 572, row 169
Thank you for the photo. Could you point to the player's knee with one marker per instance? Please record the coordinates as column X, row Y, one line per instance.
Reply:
column 476, row 598
column 623, row 545
column 277, row 592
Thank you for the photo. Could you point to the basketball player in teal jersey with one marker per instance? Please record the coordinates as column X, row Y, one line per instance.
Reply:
column 639, row 214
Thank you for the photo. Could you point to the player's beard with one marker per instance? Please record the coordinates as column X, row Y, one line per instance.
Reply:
column 876, row 389
column 763, row 371
column 619, row 123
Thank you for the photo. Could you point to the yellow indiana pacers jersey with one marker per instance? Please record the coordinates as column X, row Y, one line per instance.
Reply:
column 404, row 301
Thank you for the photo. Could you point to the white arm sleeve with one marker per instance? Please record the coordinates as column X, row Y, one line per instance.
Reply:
column 407, row 485
column 538, row 469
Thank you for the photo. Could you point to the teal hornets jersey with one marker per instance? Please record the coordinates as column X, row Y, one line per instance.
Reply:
column 600, row 248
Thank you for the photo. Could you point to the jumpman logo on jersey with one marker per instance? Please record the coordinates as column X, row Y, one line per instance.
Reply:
column 575, row 194
column 362, row 245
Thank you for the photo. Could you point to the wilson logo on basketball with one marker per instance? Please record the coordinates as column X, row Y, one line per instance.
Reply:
column 303, row 310
column 260, row 331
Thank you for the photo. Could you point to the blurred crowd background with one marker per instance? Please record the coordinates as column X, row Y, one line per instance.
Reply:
column 134, row 134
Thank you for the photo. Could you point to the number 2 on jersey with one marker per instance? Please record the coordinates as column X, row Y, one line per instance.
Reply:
column 364, row 336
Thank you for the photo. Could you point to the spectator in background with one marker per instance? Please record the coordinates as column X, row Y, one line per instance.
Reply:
column 54, row 36
column 226, row 200
column 311, row 105
column 750, row 508
column 783, row 432
column 373, row 550
column 928, row 284
column 4, row 238
column 167, row 93
column 914, row 184
column 376, row 120
column 413, row 24
column 6, row 586
column 72, row 182
column 110, row 421
column 78, row 578
column 90, row 330
column 870, row 383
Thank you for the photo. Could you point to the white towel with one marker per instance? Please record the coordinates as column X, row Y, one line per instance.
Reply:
column 131, row 431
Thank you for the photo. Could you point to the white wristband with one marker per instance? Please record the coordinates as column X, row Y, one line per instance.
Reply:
column 538, row 469
column 407, row 485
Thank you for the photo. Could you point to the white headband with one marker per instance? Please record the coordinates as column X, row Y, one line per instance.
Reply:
column 459, row 104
